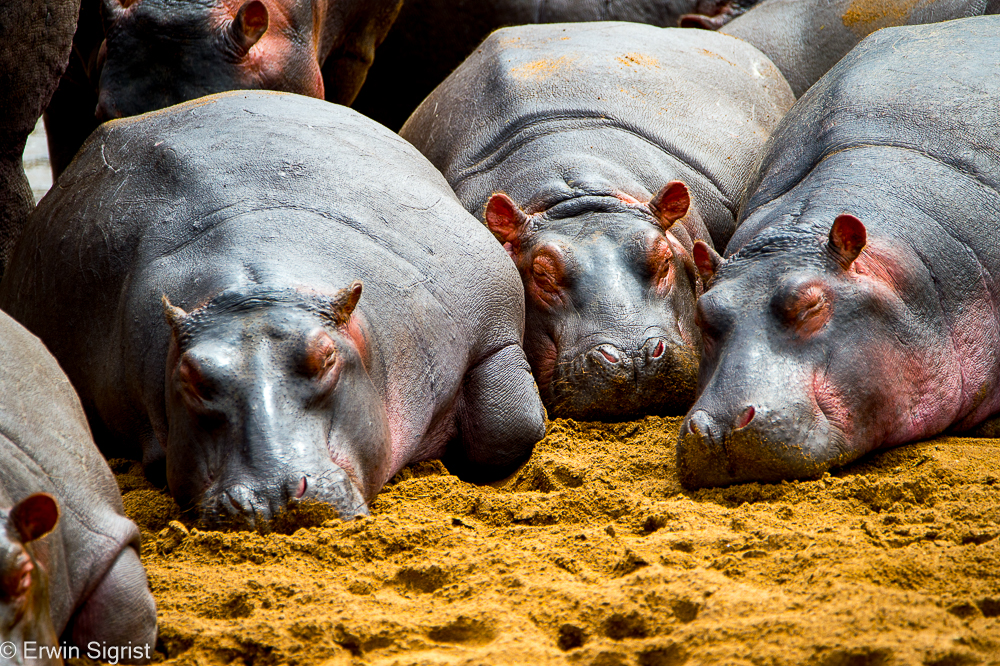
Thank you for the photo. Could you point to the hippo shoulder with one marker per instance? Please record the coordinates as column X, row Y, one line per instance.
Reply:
column 46, row 446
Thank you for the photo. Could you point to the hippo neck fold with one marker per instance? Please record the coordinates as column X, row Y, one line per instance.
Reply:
column 237, row 300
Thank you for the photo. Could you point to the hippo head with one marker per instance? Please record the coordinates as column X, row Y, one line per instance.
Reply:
column 610, row 288
column 808, row 351
column 713, row 14
column 158, row 53
column 269, row 402
column 24, row 596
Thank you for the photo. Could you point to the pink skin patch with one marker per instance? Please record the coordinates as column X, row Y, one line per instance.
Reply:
column 545, row 359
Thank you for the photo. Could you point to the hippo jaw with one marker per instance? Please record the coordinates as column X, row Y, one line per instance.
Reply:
column 803, row 367
column 609, row 303
column 24, row 583
column 269, row 403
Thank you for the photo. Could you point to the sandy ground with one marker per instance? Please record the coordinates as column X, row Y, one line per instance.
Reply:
column 592, row 554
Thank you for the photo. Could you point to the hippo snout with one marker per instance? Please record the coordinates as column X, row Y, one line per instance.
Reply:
column 719, row 447
column 612, row 379
column 249, row 503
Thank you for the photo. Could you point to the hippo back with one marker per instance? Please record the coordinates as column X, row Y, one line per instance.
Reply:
column 703, row 101
column 45, row 446
column 888, row 93
column 257, row 188
column 805, row 38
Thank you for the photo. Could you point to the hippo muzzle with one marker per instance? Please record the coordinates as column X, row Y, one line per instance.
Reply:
column 720, row 447
column 247, row 500
column 611, row 379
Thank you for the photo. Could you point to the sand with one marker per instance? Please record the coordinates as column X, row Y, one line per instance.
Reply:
column 592, row 554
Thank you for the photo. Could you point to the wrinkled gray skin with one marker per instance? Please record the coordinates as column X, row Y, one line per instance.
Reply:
column 36, row 37
column 582, row 125
column 805, row 38
column 270, row 374
column 430, row 38
column 156, row 53
column 857, row 308
column 90, row 564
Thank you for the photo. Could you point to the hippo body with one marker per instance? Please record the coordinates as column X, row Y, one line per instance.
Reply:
column 204, row 262
column 152, row 54
column 37, row 36
column 805, row 38
column 857, row 305
column 90, row 563
column 586, row 129
column 430, row 38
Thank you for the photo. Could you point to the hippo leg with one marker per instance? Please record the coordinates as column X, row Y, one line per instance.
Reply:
column 500, row 416
column 120, row 612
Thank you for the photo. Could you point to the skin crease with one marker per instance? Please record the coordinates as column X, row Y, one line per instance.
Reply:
column 317, row 377
column 857, row 306
column 558, row 270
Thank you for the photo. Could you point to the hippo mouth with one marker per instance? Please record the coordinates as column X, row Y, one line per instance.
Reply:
column 607, row 381
column 249, row 504
column 761, row 446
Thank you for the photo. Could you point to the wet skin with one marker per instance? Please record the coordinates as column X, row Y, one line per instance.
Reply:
column 857, row 307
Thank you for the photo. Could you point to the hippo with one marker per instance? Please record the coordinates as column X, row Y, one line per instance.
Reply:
column 805, row 38
column 70, row 573
column 430, row 38
column 593, row 160
column 150, row 54
column 856, row 307
column 272, row 298
column 37, row 36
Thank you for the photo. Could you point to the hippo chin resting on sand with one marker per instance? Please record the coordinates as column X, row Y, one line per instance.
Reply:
column 857, row 306
column 66, row 581
column 597, row 153
column 279, row 299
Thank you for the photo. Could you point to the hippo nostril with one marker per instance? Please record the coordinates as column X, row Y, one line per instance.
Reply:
column 745, row 418
column 235, row 503
column 660, row 348
column 302, row 488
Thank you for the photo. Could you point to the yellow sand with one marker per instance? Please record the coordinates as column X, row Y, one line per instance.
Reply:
column 592, row 554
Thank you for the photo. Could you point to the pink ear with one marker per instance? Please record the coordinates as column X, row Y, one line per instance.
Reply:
column 707, row 260
column 505, row 220
column 249, row 25
column 671, row 203
column 847, row 239
column 35, row 516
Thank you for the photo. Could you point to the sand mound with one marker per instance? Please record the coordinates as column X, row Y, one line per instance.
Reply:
column 592, row 554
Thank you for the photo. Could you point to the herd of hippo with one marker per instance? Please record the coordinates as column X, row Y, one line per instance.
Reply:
column 785, row 225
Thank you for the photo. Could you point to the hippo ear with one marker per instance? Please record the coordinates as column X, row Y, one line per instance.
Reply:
column 174, row 315
column 111, row 11
column 249, row 25
column 35, row 516
column 343, row 304
column 507, row 221
column 671, row 203
column 848, row 238
column 707, row 260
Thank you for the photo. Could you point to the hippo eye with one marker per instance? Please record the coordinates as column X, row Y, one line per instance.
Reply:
column 192, row 379
column 548, row 278
column 805, row 310
column 17, row 581
column 320, row 355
